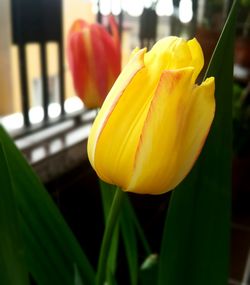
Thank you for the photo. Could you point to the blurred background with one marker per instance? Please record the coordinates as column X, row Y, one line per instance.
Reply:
column 50, row 125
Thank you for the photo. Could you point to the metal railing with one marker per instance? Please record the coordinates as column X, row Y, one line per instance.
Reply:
column 38, row 22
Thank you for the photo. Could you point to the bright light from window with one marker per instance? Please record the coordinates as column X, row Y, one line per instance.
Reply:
column 133, row 7
column 54, row 110
column 95, row 6
column 148, row 3
column 13, row 121
column 73, row 104
column 36, row 114
column 165, row 8
column 105, row 7
column 185, row 11
column 116, row 7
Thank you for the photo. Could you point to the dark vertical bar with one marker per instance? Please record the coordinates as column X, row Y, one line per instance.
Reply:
column 61, row 63
column 120, row 18
column 99, row 15
column 24, row 84
column 61, row 77
column 44, row 71
column 194, row 20
column 19, row 38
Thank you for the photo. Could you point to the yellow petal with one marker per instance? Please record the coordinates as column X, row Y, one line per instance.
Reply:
column 176, row 53
column 131, row 69
column 197, row 57
column 134, row 52
column 174, row 131
column 200, row 118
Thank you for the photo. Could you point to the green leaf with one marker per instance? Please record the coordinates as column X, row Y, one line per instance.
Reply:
column 131, row 215
column 51, row 249
column 130, row 242
column 111, row 279
column 195, row 245
column 131, row 233
column 107, row 194
column 12, row 263
column 78, row 279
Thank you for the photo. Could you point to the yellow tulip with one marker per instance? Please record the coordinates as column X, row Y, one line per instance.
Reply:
column 155, row 120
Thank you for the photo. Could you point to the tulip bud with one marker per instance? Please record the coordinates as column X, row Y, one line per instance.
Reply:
column 94, row 59
column 155, row 120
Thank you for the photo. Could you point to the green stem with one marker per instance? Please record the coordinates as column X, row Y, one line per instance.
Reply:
column 138, row 227
column 106, row 241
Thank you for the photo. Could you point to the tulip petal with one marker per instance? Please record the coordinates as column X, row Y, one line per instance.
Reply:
column 200, row 118
column 131, row 69
column 174, row 53
column 175, row 129
column 79, row 52
column 99, row 59
column 107, row 53
column 197, row 57
column 94, row 59
column 77, row 56
column 77, row 26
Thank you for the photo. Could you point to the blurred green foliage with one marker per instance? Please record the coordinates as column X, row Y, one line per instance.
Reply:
column 241, row 119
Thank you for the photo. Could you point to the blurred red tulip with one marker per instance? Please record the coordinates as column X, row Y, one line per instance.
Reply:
column 95, row 60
